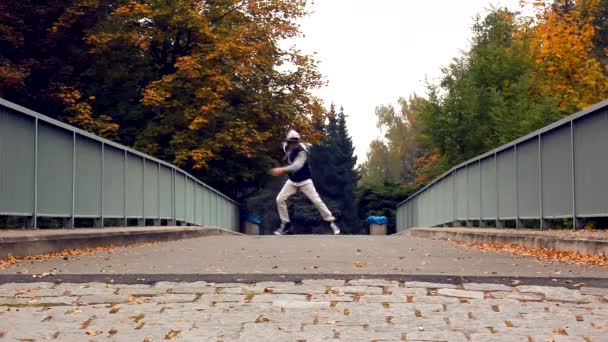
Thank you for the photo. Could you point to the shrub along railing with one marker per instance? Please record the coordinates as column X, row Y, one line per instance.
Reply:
column 53, row 170
column 557, row 172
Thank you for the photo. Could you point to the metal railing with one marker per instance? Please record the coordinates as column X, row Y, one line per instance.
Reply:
column 557, row 172
column 50, row 169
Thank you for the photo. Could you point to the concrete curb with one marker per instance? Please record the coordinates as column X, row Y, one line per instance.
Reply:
column 43, row 241
column 530, row 240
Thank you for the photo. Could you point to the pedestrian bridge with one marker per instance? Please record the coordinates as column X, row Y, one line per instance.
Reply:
column 52, row 170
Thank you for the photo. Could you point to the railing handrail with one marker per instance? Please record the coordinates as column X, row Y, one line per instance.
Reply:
column 22, row 110
column 530, row 136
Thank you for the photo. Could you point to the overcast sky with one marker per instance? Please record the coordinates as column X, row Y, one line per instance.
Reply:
column 374, row 51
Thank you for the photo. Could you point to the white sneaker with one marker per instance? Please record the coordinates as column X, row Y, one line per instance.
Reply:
column 335, row 228
column 284, row 228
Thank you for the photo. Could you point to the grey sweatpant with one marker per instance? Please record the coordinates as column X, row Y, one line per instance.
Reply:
column 307, row 188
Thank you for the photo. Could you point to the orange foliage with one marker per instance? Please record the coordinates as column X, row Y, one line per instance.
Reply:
column 567, row 66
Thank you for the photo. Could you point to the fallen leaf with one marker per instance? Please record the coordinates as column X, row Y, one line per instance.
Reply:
column 347, row 312
column 579, row 318
column 333, row 322
column 410, row 299
column 418, row 313
column 333, row 303
column 560, row 331
column 268, row 290
column 386, row 305
column 358, row 264
column 138, row 318
column 93, row 332
column 262, row 319
column 86, row 323
column 112, row 332
column 172, row 334
column 115, row 309
column 47, row 318
column 55, row 335
column 2, row 333
column 509, row 324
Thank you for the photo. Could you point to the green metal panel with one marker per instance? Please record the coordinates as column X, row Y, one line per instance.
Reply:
column 135, row 186
column 17, row 149
column 557, row 173
column 180, row 196
column 488, row 188
column 199, row 204
column 507, row 200
column 166, row 193
column 206, row 207
column 591, row 164
column 474, row 192
column 151, row 190
column 528, row 185
column 55, row 153
column 461, row 194
column 190, row 198
column 114, row 182
column 88, row 177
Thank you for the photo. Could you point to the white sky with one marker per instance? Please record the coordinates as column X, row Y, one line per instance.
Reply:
column 372, row 52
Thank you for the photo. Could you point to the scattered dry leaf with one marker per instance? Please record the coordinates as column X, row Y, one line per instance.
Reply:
column 55, row 335
column 359, row 264
column 347, row 312
column 268, row 290
column 262, row 319
column 93, row 332
column 333, row 322
column 73, row 311
column 115, row 309
column 138, row 318
column 333, row 304
column 2, row 333
column 12, row 260
column 540, row 253
column 47, row 318
column 410, row 299
column 509, row 324
column 560, row 331
column 386, row 305
column 579, row 318
column 86, row 323
column 418, row 313
column 172, row 334
column 112, row 332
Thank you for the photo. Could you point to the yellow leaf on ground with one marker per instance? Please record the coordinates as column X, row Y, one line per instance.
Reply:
column 560, row 331
column 172, row 334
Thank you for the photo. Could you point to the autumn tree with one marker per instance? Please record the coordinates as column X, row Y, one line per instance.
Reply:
column 570, row 40
column 200, row 83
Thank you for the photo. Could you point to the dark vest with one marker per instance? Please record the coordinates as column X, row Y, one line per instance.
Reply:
column 302, row 174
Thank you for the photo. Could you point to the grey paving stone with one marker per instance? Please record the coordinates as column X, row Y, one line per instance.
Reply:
column 426, row 285
column 366, row 290
column 372, row 282
column 460, row 293
column 528, row 296
column 323, row 282
column 487, row 287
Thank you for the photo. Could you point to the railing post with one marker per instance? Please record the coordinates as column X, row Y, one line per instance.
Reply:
column 32, row 222
column 575, row 222
column 454, row 198
column 498, row 221
column 125, row 182
column 99, row 221
column 158, row 193
column 481, row 223
column 69, row 223
column 142, row 222
column 467, row 192
column 543, row 223
column 518, row 223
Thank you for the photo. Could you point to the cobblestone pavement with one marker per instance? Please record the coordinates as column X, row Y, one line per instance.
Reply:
column 313, row 310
